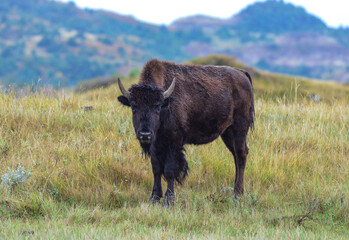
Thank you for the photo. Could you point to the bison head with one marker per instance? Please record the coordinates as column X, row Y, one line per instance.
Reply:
column 146, row 102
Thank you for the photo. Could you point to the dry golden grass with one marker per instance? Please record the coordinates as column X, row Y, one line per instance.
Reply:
column 89, row 179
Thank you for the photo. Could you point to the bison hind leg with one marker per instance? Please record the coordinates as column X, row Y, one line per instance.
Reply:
column 234, row 137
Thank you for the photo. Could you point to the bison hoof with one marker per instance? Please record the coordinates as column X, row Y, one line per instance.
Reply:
column 154, row 199
column 169, row 200
column 238, row 191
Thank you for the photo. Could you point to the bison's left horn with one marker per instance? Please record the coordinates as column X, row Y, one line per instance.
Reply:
column 169, row 91
column 123, row 90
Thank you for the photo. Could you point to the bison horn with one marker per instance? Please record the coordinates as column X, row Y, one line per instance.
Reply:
column 169, row 91
column 123, row 90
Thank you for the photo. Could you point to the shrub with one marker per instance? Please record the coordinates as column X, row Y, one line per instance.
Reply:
column 14, row 177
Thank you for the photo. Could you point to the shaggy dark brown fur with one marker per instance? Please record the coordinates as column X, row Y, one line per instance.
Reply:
column 207, row 102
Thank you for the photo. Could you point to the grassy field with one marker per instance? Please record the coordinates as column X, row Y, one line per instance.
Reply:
column 89, row 179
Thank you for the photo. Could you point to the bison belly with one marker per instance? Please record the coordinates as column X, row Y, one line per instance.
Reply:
column 204, row 128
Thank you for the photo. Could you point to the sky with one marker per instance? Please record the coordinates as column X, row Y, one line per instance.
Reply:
column 334, row 13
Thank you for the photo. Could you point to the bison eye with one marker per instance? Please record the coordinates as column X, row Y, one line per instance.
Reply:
column 157, row 108
column 134, row 108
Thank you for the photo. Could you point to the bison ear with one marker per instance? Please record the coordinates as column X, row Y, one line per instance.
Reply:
column 124, row 100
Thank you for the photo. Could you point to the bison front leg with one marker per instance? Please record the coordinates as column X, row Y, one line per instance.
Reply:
column 157, row 190
column 170, row 176
column 170, row 194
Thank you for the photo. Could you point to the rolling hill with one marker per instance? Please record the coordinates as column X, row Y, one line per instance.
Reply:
column 266, row 85
column 45, row 42
column 276, row 36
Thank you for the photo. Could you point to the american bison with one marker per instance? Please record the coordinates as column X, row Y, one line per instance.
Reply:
column 176, row 104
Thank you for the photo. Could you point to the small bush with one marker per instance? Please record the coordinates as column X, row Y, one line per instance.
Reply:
column 14, row 177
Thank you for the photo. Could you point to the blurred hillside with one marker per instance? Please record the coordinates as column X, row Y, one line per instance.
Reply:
column 276, row 36
column 46, row 42
column 268, row 86
column 62, row 44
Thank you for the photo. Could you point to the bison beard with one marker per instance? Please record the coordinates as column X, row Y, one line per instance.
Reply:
column 200, row 103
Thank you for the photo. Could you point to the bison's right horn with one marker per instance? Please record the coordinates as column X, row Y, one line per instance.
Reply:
column 123, row 90
column 169, row 91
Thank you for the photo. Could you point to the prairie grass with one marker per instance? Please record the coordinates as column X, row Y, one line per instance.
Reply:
column 89, row 179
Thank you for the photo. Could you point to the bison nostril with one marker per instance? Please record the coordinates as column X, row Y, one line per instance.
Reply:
column 146, row 136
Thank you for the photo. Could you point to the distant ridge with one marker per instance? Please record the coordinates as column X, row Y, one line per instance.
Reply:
column 269, row 17
column 48, row 42
column 278, row 17
column 200, row 21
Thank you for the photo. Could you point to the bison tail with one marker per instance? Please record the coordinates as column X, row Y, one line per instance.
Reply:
column 252, row 113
